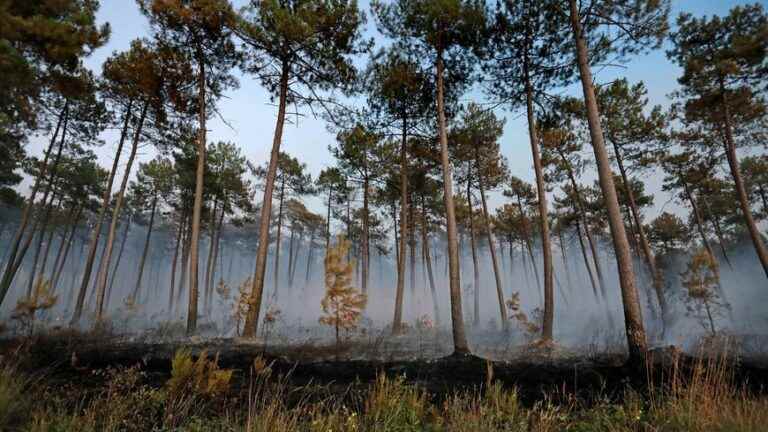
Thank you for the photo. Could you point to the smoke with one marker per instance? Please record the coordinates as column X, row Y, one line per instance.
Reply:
column 582, row 319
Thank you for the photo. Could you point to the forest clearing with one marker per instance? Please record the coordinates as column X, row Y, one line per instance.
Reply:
column 398, row 215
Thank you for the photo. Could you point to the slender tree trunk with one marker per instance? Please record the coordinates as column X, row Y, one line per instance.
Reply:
column 492, row 249
column 211, row 281
column 473, row 246
column 120, row 251
column 209, row 259
column 173, row 263
column 700, row 224
column 579, row 207
column 185, row 243
column 197, row 208
column 11, row 260
column 741, row 191
column 96, row 232
column 460, row 345
column 586, row 261
column 400, row 249
column 720, row 237
column 412, row 250
column 428, row 261
column 279, row 239
column 328, row 221
column 366, row 234
column 309, row 256
column 252, row 318
column 529, row 244
column 636, row 339
column 59, row 267
column 49, row 242
column 145, row 251
column 102, row 284
column 546, row 245
column 33, row 273
column 650, row 260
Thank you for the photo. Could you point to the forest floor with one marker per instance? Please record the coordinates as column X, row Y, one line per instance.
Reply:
column 70, row 381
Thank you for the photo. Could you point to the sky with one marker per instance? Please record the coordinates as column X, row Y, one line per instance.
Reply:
column 249, row 114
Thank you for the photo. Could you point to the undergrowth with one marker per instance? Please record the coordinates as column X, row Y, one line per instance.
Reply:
column 199, row 396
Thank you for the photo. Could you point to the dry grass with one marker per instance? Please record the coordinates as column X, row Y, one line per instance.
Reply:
column 703, row 396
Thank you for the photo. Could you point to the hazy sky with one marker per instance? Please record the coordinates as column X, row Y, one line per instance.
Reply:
column 251, row 115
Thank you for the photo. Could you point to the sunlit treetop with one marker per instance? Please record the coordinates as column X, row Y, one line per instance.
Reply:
column 311, row 41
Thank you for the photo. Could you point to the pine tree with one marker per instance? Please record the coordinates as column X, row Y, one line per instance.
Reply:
column 297, row 48
column 342, row 305
column 443, row 32
column 724, row 63
column 600, row 29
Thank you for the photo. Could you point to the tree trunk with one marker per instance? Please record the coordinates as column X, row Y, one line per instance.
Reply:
column 279, row 239
column 120, row 251
column 366, row 234
column 546, row 245
column 633, row 319
column 146, row 249
column 492, row 248
column 473, row 247
column 211, row 281
column 400, row 249
column 197, row 208
column 528, row 232
column 96, row 232
column 650, row 260
column 586, row 261
column 11, row 267
column 309, row 256
column 741, row 191
column 43, row 224
column 582, row 214
column 59, row 267
column 175, row 260
column 428, row 261
column 102, row 281
column 328, row 221
column 460, row 345
column 209, row 259
column 257, row 289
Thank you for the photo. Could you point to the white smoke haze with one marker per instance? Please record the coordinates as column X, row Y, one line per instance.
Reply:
column 583, row 322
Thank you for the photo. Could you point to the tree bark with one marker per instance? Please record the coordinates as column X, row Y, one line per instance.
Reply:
column 211, row 281
column 96, row 232
column 428, row 261
column 366, row 234
column 59, row 266
column 279, row 239
column 257, row 288
column 145, row 251
column 209, row 259
column 636, row 339
column 180, row 230
column 11, row 261
column 492, row 248
column 741, row 191
column 400, row 249
column 546, row 245
column 460, row 344
column 102, row 281
column 120, row 251
column 197, row 207
column 473, row 247
column 650, row 260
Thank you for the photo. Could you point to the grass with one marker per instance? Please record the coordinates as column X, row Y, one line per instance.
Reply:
column 199, row 397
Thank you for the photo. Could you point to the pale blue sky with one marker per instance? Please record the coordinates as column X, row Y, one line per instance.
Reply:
column 252, row 116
